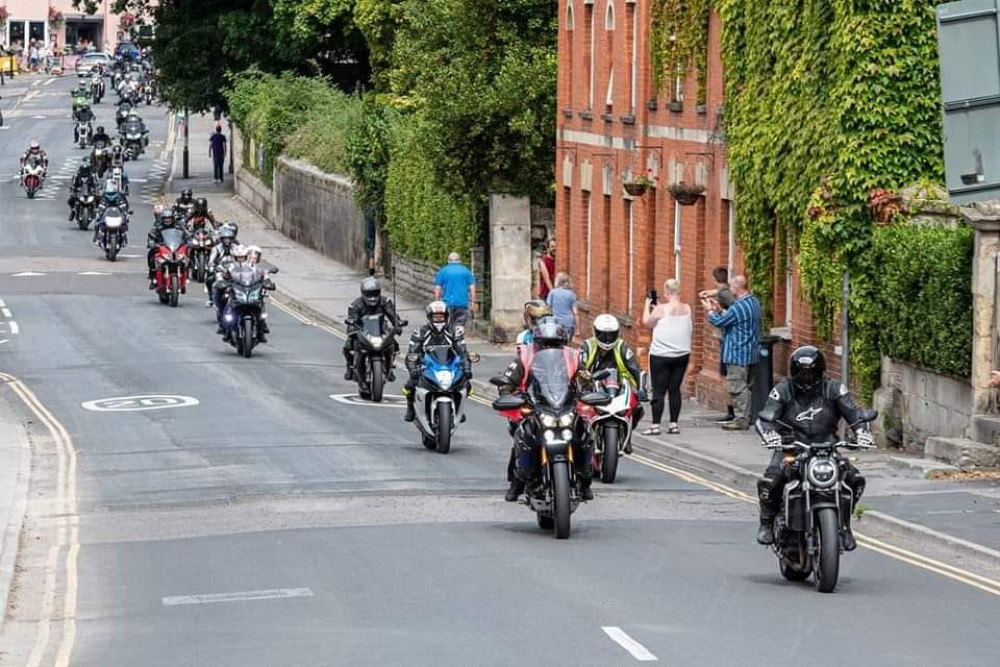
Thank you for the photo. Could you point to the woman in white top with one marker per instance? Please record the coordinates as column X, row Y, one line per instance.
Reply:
column 668, row 353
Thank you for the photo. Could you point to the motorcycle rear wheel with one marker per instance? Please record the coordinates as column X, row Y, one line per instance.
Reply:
column 560, row 498
column 609, row 458
column 827, row 566
column 444, row 420
column 377, row 380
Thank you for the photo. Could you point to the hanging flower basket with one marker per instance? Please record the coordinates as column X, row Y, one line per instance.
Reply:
column 638, row 186
column 56, row 19
column 685, row 193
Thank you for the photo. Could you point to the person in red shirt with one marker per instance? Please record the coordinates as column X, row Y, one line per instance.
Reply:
column 547, row 270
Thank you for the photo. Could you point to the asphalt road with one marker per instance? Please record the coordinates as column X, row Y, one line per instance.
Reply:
column 265, row 523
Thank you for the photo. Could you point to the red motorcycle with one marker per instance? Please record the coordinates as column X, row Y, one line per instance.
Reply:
column 171, row 262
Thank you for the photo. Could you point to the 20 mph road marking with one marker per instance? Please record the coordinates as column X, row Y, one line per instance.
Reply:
column 637, row 650
column 245, row 596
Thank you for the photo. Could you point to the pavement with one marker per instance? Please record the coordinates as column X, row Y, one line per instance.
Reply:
column 192, row 507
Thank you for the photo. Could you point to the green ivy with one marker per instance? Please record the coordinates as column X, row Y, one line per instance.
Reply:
column 678, row 36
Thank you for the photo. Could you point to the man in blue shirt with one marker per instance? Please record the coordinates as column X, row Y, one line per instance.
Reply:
column 217, row 151
column 740, row 325
column 456, row 286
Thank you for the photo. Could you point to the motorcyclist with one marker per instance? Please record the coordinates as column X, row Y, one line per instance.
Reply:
column 155, row 239
column 547, row 334
column 240, row 256
column 812, row 406
column 35, row 150
column 82, row 114
column 254, row 255
column 200, row 214
column 101, row 139
column 607, row 350
column 111, row 197
column 80, row 95
column 371, row 302
column 435, row 333
column 222, row 254
column 185, row 203
column 134, row 122
column 118, row 176
column 84, row 177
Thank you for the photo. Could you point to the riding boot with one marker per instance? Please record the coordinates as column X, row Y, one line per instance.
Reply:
column 514, row 491
column 847, row 536
column 411, row 411
column 586, row 493
column 765, row 533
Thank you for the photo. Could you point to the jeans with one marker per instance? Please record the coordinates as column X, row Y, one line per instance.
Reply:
column 218, row 164
column 739, row 380
column 667, row 375
column 458, row 315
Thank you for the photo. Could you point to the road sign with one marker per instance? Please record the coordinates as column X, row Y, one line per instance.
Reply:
column 969, row 47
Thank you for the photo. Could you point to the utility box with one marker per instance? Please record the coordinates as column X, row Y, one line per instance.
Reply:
column 969, row 47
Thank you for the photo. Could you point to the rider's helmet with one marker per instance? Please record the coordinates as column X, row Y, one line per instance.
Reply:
column 133, row 114
column 200, row 206
column 371, row 291
column 806, row 368
column 437, row 315
column 111, row 193
column 240, row 254
column 549, row 333
column 186, row 194
column 533, row 310
column 606, row 330
column 253, row 255
column 227, row 234
column 86, row 164
column 34, row 146
column 100, row 129
column 167, row 218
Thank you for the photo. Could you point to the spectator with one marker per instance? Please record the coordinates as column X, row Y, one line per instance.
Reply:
column 456, row 286
column 547, row 270
column 740, row 326
column 995, row 379
column 723, row 296
column 669, row 353
column 217, row 151
column 562, row 300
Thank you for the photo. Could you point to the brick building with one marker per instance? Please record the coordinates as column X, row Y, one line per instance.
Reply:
column 612, row 124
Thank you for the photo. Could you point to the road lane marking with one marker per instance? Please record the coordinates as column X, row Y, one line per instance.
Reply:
column 388, row 400
column 635, row 649
column 306, row 320
column 245, row 596
column 6, row 312
column 26, row 274
column 139, row 403
column 68, row 534
column 14, row 328
column 94, row 273
column 49, row 82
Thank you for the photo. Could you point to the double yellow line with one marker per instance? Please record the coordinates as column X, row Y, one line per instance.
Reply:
column 68, row 535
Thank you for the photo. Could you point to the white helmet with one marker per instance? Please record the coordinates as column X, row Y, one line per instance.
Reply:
column 240, row 253
column 606, row 328
column 254, row 253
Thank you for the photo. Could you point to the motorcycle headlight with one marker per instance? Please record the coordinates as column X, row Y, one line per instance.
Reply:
column 548, row 421
column 376, row 341
column 566, row 419
column 444, row 378
column 567, row 434
column 549, row 436
column 822, row 473
column 113, row 223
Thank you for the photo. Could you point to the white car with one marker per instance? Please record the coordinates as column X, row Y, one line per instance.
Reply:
column 86, row 64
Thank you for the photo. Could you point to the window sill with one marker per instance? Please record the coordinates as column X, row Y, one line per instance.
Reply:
column 586, row 115
column 784, row 333
column 568, row 113
column 627, row 120
column 652, row 105
column 608, row 118
column 676, row 106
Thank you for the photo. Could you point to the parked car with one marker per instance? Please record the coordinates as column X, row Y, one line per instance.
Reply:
column 86, row 64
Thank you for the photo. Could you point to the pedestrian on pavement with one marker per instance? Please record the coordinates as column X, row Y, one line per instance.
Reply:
column 722, row 295
column 456, row 286
column 562, row 300
column 547, row 270
column 217, row 151
column 669, row 352
column 740, row 325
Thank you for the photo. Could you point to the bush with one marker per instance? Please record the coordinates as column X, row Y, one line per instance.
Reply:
column 424, row 221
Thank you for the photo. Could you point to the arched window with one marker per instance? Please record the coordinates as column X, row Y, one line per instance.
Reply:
column 569, row 16
column 609, row 18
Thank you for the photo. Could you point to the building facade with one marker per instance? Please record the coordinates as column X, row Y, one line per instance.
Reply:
column 614, row 124
column 30, row 20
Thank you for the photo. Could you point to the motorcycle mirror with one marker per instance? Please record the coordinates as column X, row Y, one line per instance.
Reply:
column 272, row 271
column 474, row 357
column 499, row 381
column 595, row 399
column 509, row 402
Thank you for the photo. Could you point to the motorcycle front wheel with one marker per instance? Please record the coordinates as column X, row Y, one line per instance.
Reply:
column 174, row 291
column 247, row 336
column 560, row 498
column 827, row 567
column 377, row 380
column 111, row 249
column 609, row 458
column 444, row 420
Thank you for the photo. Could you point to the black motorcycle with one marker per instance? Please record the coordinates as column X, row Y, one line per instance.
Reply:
column 85, row 207
column 548, row 420
column 374, row 354
column 816, row 503
column 245, row 307
column 133, row 139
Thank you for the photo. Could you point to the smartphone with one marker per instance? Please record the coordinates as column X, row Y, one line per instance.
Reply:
column 652, row 297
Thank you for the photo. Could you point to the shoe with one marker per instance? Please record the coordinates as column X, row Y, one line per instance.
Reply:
column 392, row 375
column 847, row 539
column 735, row 426
column 726, row 419
column 221, row 330
column 652, row 430
column 514, row 491
column 628, row 446
column 765, row 534
column 348, row 375
column 261, row 337
column 209, row 304
column 411, row 413
column 72, row 216
column 586, row 493
column 152, row 285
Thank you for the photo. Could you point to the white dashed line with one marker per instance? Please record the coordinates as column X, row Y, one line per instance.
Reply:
column 49, row 82
column 637, row 650
column 14, row 329
column 6, row 312
column 245, row 596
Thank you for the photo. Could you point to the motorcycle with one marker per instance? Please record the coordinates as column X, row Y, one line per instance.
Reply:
column 548, row 415
column 816, row 500
column 82, row 133
column 118, row 178
column 245, row 307
column 611, row 423
column 86, row 206
column 374, row 355
column 114, row 232
column 147, row 93
column 33, row 176
column 199, row 249
column 171, row 264
column 97, row 88
column 133, row 142
column 440, row 397
column 101, row 158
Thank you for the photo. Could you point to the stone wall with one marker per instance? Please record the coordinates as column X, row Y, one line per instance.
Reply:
column 256, row 194
column 915, row 404
column 414, row 278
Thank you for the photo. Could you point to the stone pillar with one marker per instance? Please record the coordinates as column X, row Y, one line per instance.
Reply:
column 985, row 218
column 510, row 263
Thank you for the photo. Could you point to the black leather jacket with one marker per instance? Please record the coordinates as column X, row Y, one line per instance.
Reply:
column 359, row 309
column 814, row 418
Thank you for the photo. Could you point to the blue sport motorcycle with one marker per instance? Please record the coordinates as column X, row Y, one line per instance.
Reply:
column 440, row 397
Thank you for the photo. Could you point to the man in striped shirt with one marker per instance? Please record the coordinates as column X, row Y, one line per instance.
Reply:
column 740, row 325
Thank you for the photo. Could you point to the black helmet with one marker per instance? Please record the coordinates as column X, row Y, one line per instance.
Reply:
column 201, row 206
column 371, row 291
column 549, row 333
column 100, row 129
column 186, row 194
column 807, row 368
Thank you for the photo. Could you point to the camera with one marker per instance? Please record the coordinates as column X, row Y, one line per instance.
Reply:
column 652, row 297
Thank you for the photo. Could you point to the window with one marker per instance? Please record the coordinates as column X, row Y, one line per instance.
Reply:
column 731, row 233
column 678, row 94
column 788, row 287
column 609, row 34
column 610, row 98
column 569, row 16
column 633, row 67
column 589, row 56
column 570, row 73
column 677, row 240
column 586, row 241
column 609, row 18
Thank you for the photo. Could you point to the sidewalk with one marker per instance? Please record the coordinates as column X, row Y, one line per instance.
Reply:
column 898, row 500
column 15, row 469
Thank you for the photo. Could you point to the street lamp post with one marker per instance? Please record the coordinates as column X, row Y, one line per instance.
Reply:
column 231, row 142
column 187, row 124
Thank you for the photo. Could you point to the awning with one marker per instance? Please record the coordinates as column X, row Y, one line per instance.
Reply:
column 83, row 18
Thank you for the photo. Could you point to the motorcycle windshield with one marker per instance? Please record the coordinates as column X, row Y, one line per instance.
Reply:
column 173, row 239
column 441, row 354
column 372, row 325
column 245, row 276
column 550, row 382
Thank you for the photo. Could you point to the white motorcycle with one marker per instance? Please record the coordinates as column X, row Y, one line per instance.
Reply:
column 612, row 423
column 83, row 133
column 33, row 176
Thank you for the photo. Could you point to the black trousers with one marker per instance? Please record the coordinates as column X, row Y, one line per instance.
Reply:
column 218, row 164
column 667, row 375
